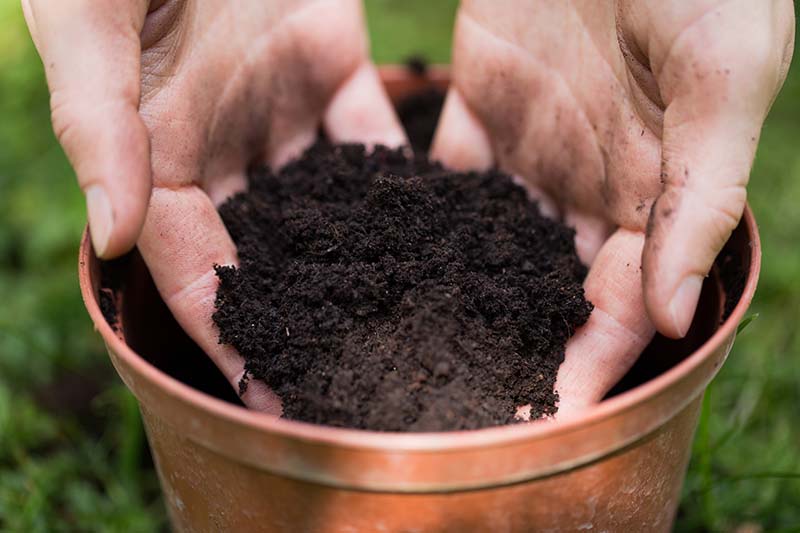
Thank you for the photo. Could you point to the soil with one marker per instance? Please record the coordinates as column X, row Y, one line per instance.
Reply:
column 108, row 307
column 734, row 278
column 112, row 276
column 419, row 114
column 417, row 65
column 383, row 292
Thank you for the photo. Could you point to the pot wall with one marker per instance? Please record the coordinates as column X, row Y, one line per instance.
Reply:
column 636, row 489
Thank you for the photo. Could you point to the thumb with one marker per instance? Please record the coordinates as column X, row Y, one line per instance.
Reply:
column 715, row 110
column 702, row 202
column 91, row 54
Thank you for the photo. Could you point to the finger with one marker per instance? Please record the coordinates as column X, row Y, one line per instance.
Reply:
column 618, row 330
column 712, row 124
column 91, row 54
column 461, row 141
column 361, row 111
column 182, row 239
column 590, row 234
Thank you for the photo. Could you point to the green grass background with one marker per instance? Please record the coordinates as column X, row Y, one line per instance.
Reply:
column 71, row 443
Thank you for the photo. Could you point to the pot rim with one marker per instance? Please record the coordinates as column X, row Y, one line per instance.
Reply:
column 424, row 442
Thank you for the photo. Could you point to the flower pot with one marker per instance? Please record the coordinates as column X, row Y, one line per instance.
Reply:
column 618, row 467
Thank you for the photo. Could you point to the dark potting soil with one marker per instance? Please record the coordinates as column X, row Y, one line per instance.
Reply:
column 417, row 65
column 419, row 114
column 733, row 274
column 112, row 273
column 384, row 292
column 419, row 111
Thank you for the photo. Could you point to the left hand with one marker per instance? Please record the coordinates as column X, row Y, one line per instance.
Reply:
column 162, row 105
column 635, row 121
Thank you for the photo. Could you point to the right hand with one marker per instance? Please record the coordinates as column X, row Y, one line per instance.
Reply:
column 162, row 106
column 636, row 122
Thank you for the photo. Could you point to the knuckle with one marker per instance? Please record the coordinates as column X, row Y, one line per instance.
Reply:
column 726, row 208
column 64, row 117
column 194, row 298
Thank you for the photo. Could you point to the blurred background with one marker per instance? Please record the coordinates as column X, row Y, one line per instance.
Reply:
column 73, row 455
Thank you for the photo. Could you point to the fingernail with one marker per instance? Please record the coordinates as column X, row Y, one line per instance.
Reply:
column 684, row 303
column 101, row 218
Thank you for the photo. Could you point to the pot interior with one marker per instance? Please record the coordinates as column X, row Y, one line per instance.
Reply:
column 125, row 287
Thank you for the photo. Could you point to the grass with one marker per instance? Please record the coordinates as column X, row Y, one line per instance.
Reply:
column 71, row 453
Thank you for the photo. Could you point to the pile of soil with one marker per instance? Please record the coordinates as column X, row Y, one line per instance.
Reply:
column 381, row 291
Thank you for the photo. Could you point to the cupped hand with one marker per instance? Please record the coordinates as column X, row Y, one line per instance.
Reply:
column 162, row 106
column 636, row 121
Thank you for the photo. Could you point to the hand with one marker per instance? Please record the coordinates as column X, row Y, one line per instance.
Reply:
column 169, row 102
column 637, row 122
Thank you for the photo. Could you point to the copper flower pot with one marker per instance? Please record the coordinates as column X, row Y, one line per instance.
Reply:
column 619, row 467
